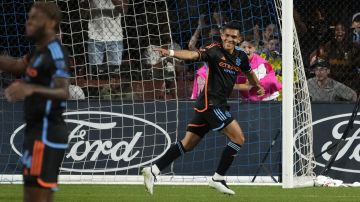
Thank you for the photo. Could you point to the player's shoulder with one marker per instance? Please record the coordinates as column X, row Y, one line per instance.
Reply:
column 57, row 50
column 213, row 45
column 240, row 51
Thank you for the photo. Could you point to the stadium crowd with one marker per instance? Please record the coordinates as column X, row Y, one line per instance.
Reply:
column 111, row 46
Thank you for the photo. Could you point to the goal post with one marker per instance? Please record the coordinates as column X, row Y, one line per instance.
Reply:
column 297, row 152
column 287, row 105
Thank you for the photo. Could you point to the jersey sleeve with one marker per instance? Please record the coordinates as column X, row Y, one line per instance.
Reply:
column 60, row 59
column 245, row 65
column 206, row 52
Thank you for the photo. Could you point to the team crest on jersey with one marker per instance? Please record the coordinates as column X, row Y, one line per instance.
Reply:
column 238, row 61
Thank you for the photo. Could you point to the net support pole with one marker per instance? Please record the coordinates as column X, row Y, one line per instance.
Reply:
column 288, row 94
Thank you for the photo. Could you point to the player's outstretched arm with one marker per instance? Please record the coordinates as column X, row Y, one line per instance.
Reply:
column 242, row 87
column 254, row 81
column 19, row 90
column 179, row 54
column 12, row 65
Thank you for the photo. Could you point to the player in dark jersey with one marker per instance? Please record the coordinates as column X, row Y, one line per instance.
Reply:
column 45, row 89
column 224, row 62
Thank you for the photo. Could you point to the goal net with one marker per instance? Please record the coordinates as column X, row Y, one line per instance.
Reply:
column 129, row 104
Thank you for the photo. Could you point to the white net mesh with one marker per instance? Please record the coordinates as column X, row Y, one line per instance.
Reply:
column 125, row 109
column 131, row 90
column 304, row 161
column 303, row 157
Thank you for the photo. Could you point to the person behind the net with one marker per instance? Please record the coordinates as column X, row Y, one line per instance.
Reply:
column 45, row 89
column 224, row 62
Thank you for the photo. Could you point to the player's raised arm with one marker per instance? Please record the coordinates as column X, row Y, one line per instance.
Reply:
column 12, row 65
column 179, row 54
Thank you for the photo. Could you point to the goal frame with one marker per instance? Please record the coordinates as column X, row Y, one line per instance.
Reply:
column 289, row 179
column 289, row 39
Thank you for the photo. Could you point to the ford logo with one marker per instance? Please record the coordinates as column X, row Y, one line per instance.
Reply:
column 108, row 142
column 350, row 147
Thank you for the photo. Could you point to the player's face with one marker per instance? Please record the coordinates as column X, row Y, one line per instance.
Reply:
column 230, row 37
column 248, row 48
column 36, row 24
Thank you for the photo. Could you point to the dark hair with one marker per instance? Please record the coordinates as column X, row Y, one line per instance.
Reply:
column 51, row 10
column 357, row 18
column 249, row 41
column 231, row 25
column 321, row 63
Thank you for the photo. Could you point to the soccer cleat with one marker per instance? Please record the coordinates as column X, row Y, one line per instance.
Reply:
column 149, row 179
column 221, row 186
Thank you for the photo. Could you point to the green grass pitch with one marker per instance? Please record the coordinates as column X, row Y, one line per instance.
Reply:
column 129, row 193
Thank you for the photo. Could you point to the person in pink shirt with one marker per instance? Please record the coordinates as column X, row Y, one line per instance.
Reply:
column 263, row 71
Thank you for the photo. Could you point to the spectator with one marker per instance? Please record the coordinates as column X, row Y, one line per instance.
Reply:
column 105, row 34
column 164, row 68
column 270, row 32
column 323, row 88
column 356, row 29
column 319, row 27
column 263, row 71
column 212, row 32
column 343, row 57
column 272, row 55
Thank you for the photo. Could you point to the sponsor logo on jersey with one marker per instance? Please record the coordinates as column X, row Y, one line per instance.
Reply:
column 238, row 61
column 229, row 66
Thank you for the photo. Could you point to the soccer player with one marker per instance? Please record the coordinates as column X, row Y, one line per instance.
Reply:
column 224, row 61
column 45, row 89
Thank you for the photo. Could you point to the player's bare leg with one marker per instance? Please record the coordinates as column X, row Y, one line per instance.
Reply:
column 236, row 136
column 234, row 132
column 37, row 194
column 188, row 143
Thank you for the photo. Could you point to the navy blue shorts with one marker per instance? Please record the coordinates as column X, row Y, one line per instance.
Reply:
column 214, row 118
column 43, row 152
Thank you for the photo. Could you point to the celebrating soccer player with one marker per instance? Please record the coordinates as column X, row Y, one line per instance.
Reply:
column 45, row 89
column 224, row 61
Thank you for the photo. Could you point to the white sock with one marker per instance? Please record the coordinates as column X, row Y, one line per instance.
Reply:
column 218, row 177
column 155, row 170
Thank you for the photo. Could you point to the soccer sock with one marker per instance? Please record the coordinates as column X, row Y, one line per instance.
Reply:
column 218, row 177
column 227, row 158
column 173, row 153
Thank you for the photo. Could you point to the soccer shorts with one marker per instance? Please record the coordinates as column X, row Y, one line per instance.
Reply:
column 42, row 160
column 214, row 118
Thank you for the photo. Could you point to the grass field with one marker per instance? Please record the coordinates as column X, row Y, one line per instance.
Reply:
column 129, row 193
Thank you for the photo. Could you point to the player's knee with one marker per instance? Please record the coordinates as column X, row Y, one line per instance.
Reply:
column 240, row 139
column 187, row 146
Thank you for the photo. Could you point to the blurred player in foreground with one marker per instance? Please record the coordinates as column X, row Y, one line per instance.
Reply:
column 224, row 62
column 45, row 89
